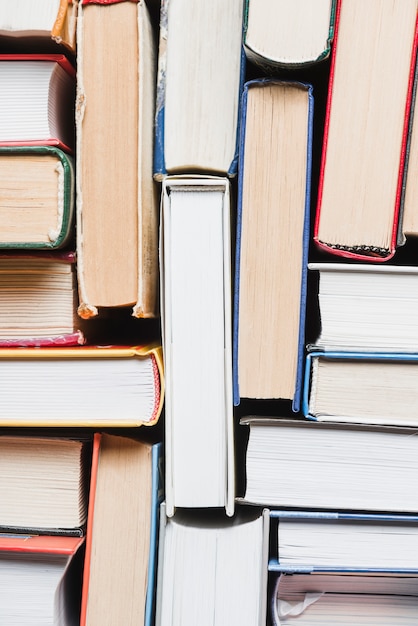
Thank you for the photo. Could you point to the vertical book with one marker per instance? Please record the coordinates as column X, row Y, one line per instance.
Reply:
column 196, row 318
column 121, row 542
column 200, row 75
column 369, row 100
column 272, row 240
column 117, row 209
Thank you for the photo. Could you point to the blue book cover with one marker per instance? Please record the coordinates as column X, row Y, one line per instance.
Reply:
column 241, row 263
column 348, row 537
column 157, row 499
column 360, row 382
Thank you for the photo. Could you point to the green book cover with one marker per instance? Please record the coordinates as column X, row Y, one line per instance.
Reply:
column 36, row 197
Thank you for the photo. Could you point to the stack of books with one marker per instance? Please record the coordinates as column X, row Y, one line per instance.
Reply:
column 322, row 338
column 78, row 239
column 214, row 225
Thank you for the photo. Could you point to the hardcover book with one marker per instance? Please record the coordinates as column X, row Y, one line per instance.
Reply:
column 38, row 300
column 38, row 99
column 37, row 190
column 44, row 19
column 196, row 324
column 212, row 569
column 117, row 208
column 303, row 464
column 367, row 308
column 122, row 533
column 362, row 387
column 325, row 541
column 43, row 484
column 366, row 128
column 38, row 579
column 81, row 386
column 200, row 76
column 279, row 34
column 410, row 191
column 272, row 240
column 302, row 600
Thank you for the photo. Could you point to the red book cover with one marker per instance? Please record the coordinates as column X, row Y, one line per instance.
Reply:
column 34, row 265
column 27, row 106
column 40, row 544
column 353, row 163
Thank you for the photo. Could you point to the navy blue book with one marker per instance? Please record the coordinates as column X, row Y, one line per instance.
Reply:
column 326, row 541
column 274, row 180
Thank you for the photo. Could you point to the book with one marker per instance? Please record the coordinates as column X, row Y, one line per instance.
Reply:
column 43, row 484
column 345, row 599
column 324, row 541
column 410, row 190
column 37, row 103
column 367, row 307
column 38, row 299
column 38, row 579
column 362, row 387
column 117, row 208
column 122, row 533
column 212, row 569
column 199, row 83
column 279, row 35
column 81, row 386
column 196, row 326
column 46, row 19
column 358, row 206
column 37, row 191
column 341, row 467
column 273, row 208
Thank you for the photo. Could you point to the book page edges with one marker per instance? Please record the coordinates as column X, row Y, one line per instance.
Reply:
column 397, row 237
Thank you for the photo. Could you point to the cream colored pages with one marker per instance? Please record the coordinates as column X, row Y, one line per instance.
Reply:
column 273, row 211
column 116, row 204
column 288, row 32
column 369, row 94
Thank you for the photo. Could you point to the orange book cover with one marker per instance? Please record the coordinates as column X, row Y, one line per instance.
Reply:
column 89, row 386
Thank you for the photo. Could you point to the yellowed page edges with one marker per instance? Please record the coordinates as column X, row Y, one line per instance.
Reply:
column 85, row 309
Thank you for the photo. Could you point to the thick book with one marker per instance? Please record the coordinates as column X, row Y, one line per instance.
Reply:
column 366, row 307
column 38, row 300
column 197, row 339
column 369, row 101
column 43, row 484
column 347, row 600
column 200, row 75
column 272, row 240
column 81, row 386
column 38, row 100
column 361, row 387
column 121, row 542
column 41, row 20
column 39, row 578
column 37, row 190
column 303, row 464
column 117, row 207
column 325, row 541
column 279, row 34
column 212, row 569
